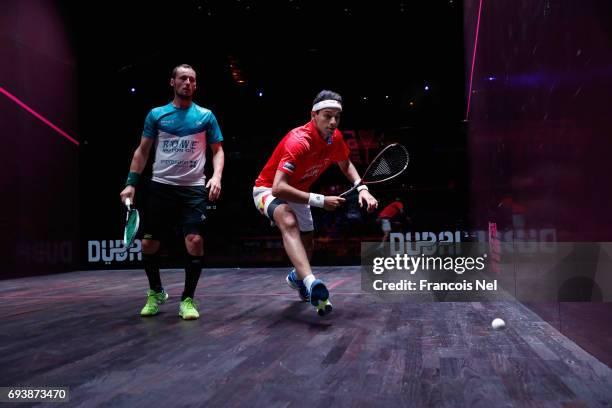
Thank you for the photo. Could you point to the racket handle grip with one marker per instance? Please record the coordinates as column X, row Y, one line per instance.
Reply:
column 128, row 203
column 356, row 184
column 347, row 192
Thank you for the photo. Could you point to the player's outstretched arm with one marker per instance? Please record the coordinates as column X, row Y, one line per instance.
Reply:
column 282, row 190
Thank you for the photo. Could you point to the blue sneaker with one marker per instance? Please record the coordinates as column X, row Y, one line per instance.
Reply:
column 319, row 298
column 295, row 283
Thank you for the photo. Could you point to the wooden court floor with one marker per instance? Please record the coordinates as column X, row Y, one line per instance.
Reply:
column 256, row 345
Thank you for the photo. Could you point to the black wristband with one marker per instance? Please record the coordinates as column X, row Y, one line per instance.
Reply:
column 132, row 178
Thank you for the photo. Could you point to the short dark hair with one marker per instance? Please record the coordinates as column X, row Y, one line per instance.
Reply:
column 326, row 95
column 181, row 66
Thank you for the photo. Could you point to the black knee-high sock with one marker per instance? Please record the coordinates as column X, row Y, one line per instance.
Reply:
column 151, row 267
column 193, row 269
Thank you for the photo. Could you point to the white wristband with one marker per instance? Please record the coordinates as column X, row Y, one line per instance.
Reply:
column 362, row 188
column 356, row 182
column 316, row 200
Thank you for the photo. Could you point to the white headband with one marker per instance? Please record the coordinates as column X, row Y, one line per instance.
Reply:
column 328, row 103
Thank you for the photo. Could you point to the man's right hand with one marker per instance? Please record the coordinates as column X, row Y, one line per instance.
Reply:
column 331, row 203
column 128, row 192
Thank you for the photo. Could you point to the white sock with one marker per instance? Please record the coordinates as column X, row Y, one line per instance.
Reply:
column 308, row 281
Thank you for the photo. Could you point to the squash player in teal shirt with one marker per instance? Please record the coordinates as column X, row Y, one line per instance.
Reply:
column 178, row 191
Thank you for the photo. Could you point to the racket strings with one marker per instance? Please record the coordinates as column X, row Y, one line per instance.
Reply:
column 382, row 169
column 131, row 222
column 391, row 162
column 131, row 227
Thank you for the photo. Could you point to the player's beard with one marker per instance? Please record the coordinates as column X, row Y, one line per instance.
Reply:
column 183, row 96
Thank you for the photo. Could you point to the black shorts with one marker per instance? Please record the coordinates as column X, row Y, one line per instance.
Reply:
column 171, row 208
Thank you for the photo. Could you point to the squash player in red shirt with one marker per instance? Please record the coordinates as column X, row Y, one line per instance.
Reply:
column 388, row 214
column 281, row 191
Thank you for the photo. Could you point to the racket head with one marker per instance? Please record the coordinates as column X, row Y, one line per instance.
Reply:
column 388, row 164
column 132, row 223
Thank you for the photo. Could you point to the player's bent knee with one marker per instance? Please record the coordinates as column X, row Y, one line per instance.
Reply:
column 284, row 217
column 194, row 244
column 288, row 221
column 150, row 246
column 194, row 239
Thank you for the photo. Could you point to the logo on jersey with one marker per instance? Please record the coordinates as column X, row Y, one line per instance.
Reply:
column 313, row 171
column 289, row 166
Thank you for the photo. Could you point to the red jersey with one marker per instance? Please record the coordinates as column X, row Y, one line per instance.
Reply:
column 391, row 210
column 304, row 155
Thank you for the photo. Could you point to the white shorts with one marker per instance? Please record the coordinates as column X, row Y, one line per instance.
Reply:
column 266, row 203
column 385, row 224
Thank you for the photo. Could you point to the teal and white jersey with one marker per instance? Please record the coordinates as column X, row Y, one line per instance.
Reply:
column 180, row 137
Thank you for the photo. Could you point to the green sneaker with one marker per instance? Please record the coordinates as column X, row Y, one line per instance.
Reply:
column 154, row 299
column 188, row 309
